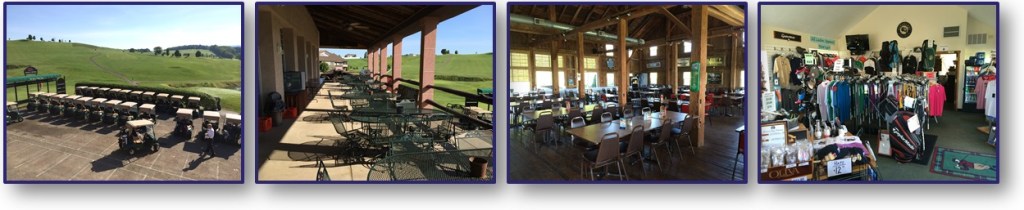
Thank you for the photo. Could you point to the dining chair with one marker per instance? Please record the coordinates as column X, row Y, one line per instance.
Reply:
column 742, row 146
column 662, row 140
column 595, row 115
column 543, row 128
column 576, row 122
column 685, row 130
column 604, row 156
column 606, row 117
column 645, row 111
column 634, row 147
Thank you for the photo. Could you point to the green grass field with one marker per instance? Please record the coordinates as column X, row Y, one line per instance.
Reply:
column 479, row 66
column 80, row 62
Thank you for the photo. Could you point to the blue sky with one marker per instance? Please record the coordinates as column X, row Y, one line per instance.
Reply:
column 469, row 33
column 128, row 26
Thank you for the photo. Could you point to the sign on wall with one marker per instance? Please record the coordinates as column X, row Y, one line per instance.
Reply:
column 823, row 43
column 787, row 36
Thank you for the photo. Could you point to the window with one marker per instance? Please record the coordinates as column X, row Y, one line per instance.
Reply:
column 686, row 78
column 561, row 61
column 654, row 78
column 542, row 60
column 687, row 47
column 591, row 79
column 611, row 79
column 654, row 51
column 590, row 63
column 519, row 72
column 609, row 48
column 543, row 78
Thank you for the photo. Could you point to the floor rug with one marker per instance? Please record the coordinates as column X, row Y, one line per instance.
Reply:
column 966, row 164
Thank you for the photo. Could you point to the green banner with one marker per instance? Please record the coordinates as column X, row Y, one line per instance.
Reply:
column 695, row 77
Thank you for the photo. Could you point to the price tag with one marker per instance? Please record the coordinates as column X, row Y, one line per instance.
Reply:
column 883, row 144
column 913, row 124
column 840, row 167
column 838, row 65
column 768, row 101
column 908, row 102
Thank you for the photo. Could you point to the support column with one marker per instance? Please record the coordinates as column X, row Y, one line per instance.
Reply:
column 428, row 45
column 699, row 25
column 396, row 61
column 580, row 62
column 533, row 71
column 621, row 55
column 383, row 61
column 737, row 57
column 554, row 54
column 673, row 64
column 369, row 60
column 601, row 64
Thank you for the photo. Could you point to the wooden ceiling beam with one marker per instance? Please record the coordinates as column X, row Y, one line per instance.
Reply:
column 635, row 13
column 574, row 15
column 724, row 17
column 679, row 23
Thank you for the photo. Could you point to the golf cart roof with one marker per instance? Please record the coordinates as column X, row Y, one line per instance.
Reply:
column 94, row 88
column 72, row 97
column 211, row 115
column 116, row 90
column 113, row 102
column 126, row 91
column 9, row 103
column 178, row 97
column 193, row 98
column 60, row 96
column 127, row 105
column 233, row 118
column 137, row 92
column 139, row 123
column 149, row 93
column 83, row 100
column 81, row 87
column 184, row 112
column 35, row 94
column 98, row 100
column 147, row 108
column 104, row 89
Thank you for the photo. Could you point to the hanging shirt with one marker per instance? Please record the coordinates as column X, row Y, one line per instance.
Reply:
column 842, row 101
column 936, row 99
column 782, row 69
column 980, row 87
column 795, row 63
column 991, row 108
column 822, row 94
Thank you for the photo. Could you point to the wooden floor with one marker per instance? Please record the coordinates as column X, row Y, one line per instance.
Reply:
column 531, row 161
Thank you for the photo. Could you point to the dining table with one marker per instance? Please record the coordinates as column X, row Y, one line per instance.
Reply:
column 593, row 133
column 530, row 115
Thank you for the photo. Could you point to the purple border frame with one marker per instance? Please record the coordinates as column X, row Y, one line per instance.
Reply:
column 241, row 179
column 494, row 66
column 743, row 178
column 760, row 181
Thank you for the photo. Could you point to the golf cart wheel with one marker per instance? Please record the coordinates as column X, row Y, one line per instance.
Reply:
column 155, row 147
column 131, row 151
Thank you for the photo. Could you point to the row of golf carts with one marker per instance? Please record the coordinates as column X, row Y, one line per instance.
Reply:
column 135, row 111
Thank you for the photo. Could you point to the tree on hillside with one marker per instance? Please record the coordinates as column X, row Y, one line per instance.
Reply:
column 158, row 50
column 456, row 52
column 177, row 54
column 131, row 49
column 30, row 37
column 186, row 55
column 199, row 54
column 52, row 39
column 444, row 51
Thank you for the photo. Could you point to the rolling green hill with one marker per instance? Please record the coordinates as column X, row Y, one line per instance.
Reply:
column 82, row 62
column 192, row 52
column 465, row 72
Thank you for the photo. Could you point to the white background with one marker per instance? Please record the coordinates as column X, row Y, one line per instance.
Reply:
column 505, row 196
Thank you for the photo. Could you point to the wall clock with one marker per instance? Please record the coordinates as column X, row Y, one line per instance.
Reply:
column 904, row 29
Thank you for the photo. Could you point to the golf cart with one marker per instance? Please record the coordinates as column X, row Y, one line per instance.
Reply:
column 183, row 123
column 233, row 128
column 104, row 92
column 135, row 96
column 177, row 102
column 45, row 102
column 35, row 101
column 148, row 97
column 13, row 115
column 163, row 103
column 70, row 108
column 58, row 104
column 83, row 110
column 136, row 135
column 96, row 111
column 193, row 103
column 93, row 91
column 211, row 118
column 110, row 114
column 147, row 112
column 126, row 95
column 82, row 90
column 115, row 94
column 126, row 111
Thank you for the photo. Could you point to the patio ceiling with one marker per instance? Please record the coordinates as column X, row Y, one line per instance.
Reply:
column 362, row 26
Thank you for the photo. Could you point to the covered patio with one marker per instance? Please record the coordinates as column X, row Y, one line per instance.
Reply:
column 649, row 92
column 369, row 126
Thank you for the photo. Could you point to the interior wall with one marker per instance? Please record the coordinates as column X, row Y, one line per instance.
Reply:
column 768, row 38
column 927, row 21
column 271, row 21
column 975, row 26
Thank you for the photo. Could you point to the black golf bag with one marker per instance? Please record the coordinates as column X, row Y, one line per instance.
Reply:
column 906, row 144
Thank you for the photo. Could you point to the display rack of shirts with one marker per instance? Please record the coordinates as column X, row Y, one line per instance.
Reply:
column 982, row 86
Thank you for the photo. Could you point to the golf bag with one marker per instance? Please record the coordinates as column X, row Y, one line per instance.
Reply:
column 906, row 145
